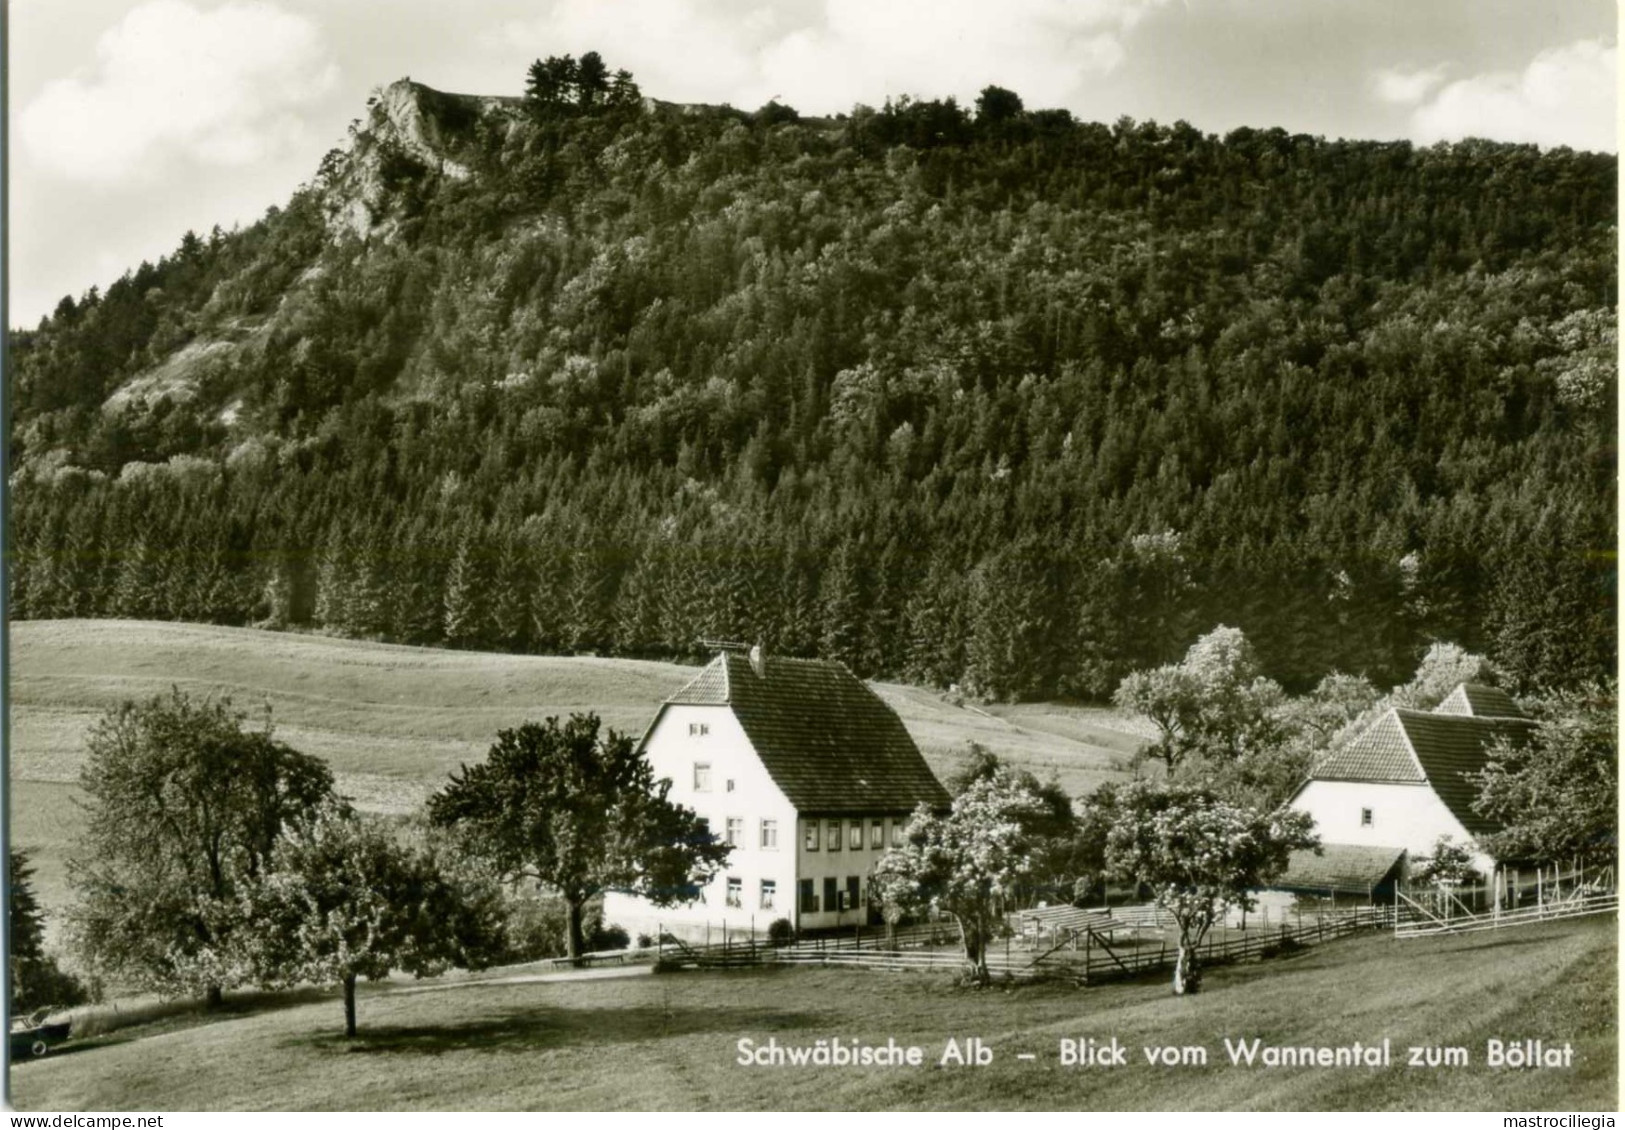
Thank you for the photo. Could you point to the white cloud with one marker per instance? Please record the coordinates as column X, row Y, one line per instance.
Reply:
column 175, row 83
column 1565, row 96
column 821, row 58
column 1406, row 88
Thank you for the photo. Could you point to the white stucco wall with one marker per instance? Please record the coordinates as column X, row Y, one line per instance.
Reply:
column 1402, row 816
column 674, row 752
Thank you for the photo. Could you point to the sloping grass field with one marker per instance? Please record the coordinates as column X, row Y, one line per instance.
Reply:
column 671, row 1041
column 393, row 721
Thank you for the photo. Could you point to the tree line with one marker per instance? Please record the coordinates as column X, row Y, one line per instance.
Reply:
column 977, row 395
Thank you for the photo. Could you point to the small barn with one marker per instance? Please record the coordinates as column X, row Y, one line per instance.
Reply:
column 804, row 770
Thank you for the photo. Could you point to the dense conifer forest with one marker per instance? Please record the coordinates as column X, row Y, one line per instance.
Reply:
column 977, row 395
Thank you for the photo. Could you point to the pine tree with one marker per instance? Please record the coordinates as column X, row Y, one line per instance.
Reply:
column 138, row 589
column 841, row 609
column 335, row 581
column 466, row 600
column 515, row 582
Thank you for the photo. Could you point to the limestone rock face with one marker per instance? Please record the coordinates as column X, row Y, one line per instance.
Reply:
column 410, row 130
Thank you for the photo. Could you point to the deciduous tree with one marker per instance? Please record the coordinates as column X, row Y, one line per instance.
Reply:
column 1201, row 855
column 185, row 808
column 579, row 814
column 348, row 899
column 1442, row 670
column 1557, row 794
column 1214, row 703
column 974, row 863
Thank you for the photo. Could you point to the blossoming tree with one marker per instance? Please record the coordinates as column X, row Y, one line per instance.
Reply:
column 973, row 863
column 1201, row 855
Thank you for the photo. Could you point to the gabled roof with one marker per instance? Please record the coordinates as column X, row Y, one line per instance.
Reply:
column 1344, row 869
column 1450, row 747
column 1480, row 701
column 1438, row 749
column 827, row 740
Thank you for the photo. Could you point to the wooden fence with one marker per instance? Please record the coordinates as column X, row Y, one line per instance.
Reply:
column 1098, row 959
column 1426, row 922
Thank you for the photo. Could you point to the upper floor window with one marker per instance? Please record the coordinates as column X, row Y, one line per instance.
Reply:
column 810, row 841
column 770, row 835
column 877, row 834
column 735, row 834
column 854, row 835
column 832, row 835
column 897, row 827
column 1365, row 818
column 702, row 776
column 698, row 729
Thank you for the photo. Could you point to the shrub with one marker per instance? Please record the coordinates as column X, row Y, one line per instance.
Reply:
column 535, row 928
column 609, row 938
column 781, row 932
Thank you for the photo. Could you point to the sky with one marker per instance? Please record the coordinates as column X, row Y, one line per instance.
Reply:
column 130, row 122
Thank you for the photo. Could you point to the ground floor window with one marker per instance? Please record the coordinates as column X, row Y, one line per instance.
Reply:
column 809, row 897
column 832, row 895
column 770, row 891
column 735, row 890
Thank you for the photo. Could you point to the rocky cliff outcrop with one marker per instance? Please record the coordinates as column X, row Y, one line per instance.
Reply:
column 410, row 131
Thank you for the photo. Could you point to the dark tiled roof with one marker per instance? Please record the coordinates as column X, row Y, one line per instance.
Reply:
column 1479, row 701
column 1418, row 747
column 828, row 741
column 1345, row 869
column 1451, row 746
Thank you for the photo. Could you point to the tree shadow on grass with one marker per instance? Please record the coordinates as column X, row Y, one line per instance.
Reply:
column 539, row 1029
column 1503, row 942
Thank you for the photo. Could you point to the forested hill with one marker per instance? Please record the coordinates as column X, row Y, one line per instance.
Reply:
column 979, row 395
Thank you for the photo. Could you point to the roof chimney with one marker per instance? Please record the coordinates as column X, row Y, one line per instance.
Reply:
column 758, row 660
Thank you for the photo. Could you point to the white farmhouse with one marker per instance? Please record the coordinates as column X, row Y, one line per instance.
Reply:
column 804, row 770
column 1389, row 794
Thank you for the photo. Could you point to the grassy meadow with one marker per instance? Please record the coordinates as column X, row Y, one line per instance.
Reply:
column 393, row 721
column 669, row 1041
